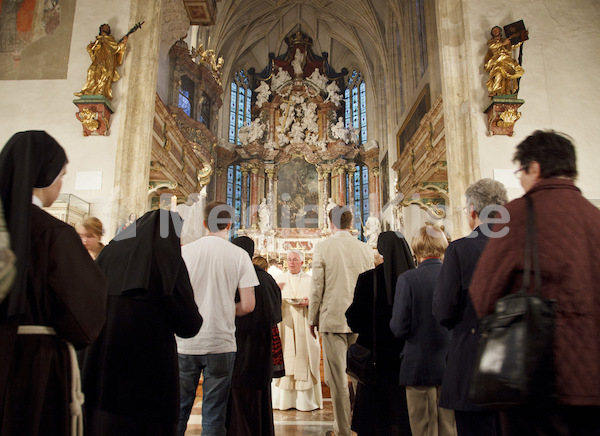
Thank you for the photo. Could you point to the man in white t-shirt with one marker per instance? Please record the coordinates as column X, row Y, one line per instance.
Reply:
column 217, row 269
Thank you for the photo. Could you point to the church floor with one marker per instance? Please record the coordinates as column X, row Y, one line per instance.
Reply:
column 287, row 422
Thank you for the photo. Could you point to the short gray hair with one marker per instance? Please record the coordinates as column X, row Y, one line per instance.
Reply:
column 298, row 252
column 486, row 192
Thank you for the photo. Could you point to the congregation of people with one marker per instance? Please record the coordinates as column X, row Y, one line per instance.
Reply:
column 152, row 319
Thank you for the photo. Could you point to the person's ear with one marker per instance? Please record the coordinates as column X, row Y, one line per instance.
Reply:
column 534, row 169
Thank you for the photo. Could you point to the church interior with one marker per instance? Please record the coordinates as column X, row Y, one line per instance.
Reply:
column 282, row 108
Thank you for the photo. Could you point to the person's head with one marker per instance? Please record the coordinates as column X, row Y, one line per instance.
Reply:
column 104, row 28
column 481, row 194
column 218, row 216
column 295, row 261
column 132, row 217
column 340, row 217
column 49, row 194
column 273, row 262
column 430, row 241
column 496, row 32
column 90, row 231
column 31, row 162
column 246, row 243
column 260, row 262
column 543, row 155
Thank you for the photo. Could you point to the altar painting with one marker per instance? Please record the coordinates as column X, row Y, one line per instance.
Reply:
column 298, row 195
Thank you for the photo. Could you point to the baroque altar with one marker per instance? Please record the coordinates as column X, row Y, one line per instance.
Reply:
column 298, row 156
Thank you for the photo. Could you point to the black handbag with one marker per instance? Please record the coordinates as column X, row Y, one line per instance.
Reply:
column 361, row 362
column 515, row 360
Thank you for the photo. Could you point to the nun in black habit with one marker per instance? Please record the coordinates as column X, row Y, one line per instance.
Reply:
column 380, row 409
column 130, row 374
column 250, row 407
column 58, row 296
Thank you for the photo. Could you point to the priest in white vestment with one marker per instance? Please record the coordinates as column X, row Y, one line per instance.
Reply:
column 300, row 388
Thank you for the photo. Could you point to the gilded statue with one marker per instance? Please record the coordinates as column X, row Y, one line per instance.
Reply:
column 503, row 69
column 106, row 54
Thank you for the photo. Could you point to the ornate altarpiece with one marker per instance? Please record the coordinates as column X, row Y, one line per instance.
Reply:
column 296, row 154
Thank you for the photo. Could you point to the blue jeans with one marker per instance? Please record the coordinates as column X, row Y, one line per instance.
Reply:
column 218, row 370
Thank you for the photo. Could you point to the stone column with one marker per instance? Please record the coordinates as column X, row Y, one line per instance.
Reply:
column 136, row 108
column 374, row 193
column 461, row 105
column 244, row 214
column 253, row 196
column 351, row 170
column 271, row 199
column 341, row 184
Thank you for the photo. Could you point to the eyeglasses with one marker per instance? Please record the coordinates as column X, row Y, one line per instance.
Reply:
column 517, row 173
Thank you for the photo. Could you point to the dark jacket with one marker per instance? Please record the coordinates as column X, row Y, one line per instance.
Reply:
column 568, row 232
column 424, row 354
column 453, row 308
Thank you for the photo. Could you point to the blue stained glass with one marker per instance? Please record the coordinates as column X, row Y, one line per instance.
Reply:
column 184, row 103
column 347, row 115
column 248, row 104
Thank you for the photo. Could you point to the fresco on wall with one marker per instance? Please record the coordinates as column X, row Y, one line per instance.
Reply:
column 35, row 38
column 298, row 192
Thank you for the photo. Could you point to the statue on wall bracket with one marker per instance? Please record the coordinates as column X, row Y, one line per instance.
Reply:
column 95, row 95
column 505, row 73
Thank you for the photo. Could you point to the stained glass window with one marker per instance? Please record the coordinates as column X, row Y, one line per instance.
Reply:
column 234, row 192
column 239, row 109
column 186, row 96
column 355, row 97
column 361, row 196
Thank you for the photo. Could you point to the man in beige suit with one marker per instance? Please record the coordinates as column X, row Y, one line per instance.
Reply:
column 337, row 262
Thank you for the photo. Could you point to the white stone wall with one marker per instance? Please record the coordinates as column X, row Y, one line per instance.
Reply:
column 48, row 105
column 561, row 61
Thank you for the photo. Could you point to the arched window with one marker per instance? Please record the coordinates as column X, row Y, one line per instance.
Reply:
column 422, row 35
column 356, row 105
column 239, row 109
column 234, row 192
column 186, row 96
column 361, row 196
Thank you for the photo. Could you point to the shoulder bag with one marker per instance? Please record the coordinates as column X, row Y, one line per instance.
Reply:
column 515, row 360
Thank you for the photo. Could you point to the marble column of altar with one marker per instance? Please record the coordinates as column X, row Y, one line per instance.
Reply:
column 324, row 194
column 351, row 169
column 253, row 196
column 244, row 217
column 342, row 184
column 271, row 198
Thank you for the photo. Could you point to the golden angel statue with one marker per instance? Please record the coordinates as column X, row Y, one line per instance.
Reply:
column 503, row 69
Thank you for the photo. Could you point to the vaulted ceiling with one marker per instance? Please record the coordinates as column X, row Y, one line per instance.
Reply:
column 351, row 31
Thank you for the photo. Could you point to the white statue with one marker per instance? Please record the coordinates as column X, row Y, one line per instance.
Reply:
column 263, row 94
column 310, row 117
column 318, row 79
column 338, row 131
column 264, row 216
column 280, row 78
column 253, row 132
column 271, row 145
column 372, row 230
column 333, row 94
column 297, row 132
column 353, row 135
column 330, row 205
column 298, row 63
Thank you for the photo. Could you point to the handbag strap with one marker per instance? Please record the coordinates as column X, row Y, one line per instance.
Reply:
column 531, row 251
